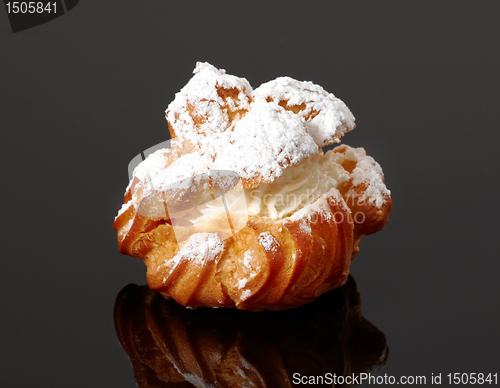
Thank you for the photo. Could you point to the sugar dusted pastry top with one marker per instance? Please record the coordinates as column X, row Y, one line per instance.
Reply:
column 256, row 133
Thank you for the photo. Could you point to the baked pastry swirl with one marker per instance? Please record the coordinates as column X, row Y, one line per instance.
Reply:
column 244, row 209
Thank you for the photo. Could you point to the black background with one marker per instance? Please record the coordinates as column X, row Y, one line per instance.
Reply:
column 81, row 95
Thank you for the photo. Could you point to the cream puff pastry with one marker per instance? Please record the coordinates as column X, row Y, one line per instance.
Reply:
column 244, row 209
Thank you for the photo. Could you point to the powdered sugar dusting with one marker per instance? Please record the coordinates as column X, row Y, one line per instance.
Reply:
column 199, row 247
column 246, row 294
column 268, row 242
column 247, row 258
column 242, row 283
column 124, row 208
column 368, row 173
column 327, row 117
column 198, row 109
column 267, row 139
column 304, row 225
column 249, row 133
column 152, row 169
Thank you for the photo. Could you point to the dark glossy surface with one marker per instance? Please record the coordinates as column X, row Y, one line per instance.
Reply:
column 84, row 94
column 169, row 345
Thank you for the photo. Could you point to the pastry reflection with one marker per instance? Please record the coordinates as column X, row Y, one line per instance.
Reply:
column 170, row 346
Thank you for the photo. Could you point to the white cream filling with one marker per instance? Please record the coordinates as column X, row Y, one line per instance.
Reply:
column 288, row 196
column 299, row 186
